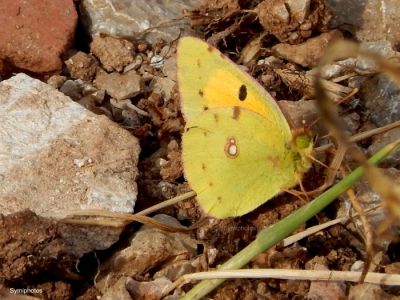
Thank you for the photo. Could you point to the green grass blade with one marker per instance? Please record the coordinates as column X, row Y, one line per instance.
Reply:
column 272, row 235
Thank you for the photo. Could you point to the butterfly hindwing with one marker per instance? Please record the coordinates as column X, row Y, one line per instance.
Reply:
column 235, row 160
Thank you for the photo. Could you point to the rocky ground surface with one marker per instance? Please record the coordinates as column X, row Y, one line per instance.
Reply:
column 91, row 120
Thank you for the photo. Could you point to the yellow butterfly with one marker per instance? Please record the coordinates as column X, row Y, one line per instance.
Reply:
column 238, row 150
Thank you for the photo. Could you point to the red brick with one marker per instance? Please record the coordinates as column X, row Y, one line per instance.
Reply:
column 34, row 33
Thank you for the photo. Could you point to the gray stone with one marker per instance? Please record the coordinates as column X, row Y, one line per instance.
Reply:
column 135, row 65
column 148, row 247
column 117, row 291
column 366, row 66
column 147, row 289
column 369, row 199
column 324, row 289
column 56, row 81
column 351, row 122
column 380, row 47
column 381, row 97
column 299, row 9
column 72, row 89
column 56, row 156
column 132, row 18
column 157, row 61
column 368, row 20
column 164, row 86
column 381, row 140
column 308, row 53
column 170, row 68
column 301, row 113
column 120, row 86
column 368, row 291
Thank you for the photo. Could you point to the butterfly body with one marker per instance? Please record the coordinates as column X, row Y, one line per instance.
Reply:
column 237, row 147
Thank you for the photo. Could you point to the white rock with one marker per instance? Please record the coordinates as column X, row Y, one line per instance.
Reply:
column 43, row 135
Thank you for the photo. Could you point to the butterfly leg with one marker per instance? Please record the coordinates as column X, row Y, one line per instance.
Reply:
column 302, row 194
column 332, row 170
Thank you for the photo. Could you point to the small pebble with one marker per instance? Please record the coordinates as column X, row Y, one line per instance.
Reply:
column 157, row 61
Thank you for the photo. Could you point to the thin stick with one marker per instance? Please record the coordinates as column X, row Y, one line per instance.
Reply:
column 167, row 203
column 119, row 219
column 314, row 229
column 343, row 77
column 290, row 274
column 367, row 228
column 309, row 231
column 125, row 219
column 363, row 135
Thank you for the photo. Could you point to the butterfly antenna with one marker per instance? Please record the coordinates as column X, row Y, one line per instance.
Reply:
column 286, row 115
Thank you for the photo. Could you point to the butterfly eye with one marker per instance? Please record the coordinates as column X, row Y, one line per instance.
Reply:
column 302, row 141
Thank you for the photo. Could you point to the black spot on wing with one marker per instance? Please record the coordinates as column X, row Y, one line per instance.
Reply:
column 242, row 92
column 201, row 93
